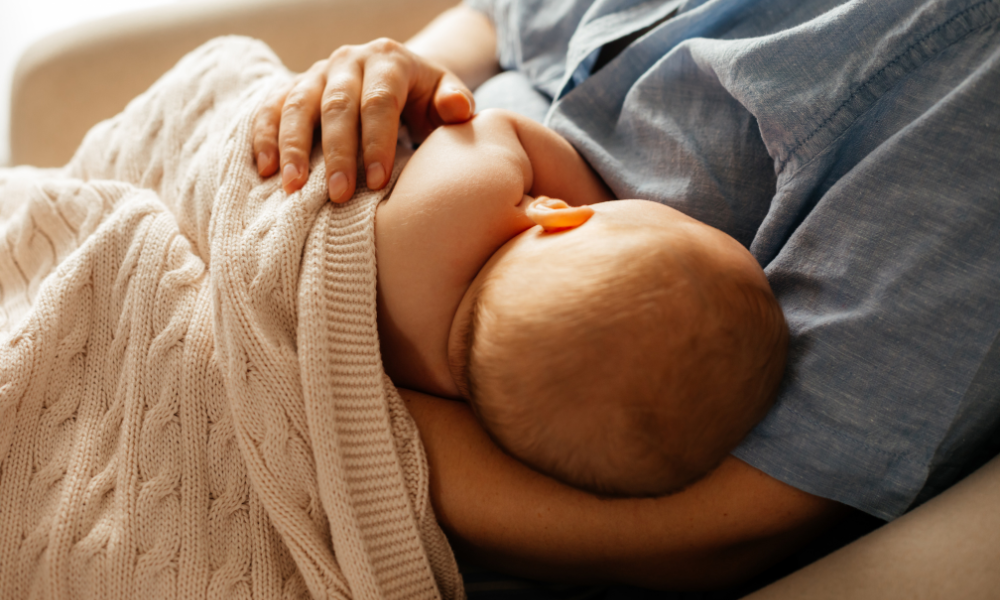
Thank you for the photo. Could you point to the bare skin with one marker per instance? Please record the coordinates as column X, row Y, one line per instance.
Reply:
column 462, row 196
column 722, row 530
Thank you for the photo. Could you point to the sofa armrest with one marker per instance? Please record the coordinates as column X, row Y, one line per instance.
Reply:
column 68, row 81
column 947, row 548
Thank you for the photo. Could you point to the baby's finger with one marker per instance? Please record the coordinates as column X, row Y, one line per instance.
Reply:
column 265, row 132
column 339, row 115
column 298, row 119
column 382, row 99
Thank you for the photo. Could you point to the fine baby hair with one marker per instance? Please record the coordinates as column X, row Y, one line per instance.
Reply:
column 632, row 357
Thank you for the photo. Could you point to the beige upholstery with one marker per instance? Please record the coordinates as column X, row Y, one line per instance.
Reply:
column 949, row 548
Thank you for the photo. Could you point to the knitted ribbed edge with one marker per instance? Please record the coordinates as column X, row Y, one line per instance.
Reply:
column 358, row 419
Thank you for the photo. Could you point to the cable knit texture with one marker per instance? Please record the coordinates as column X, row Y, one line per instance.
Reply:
column 192, row 400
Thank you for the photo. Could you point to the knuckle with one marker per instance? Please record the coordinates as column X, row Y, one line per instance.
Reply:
column 336, row 102
column 379, row 99
column 260, row 123
column 295, row 103
column 374, row 150
column 269, row 114
column 292, row 152
column 264, row 139
column 342, row 53
column 339, row 162
column 275, row 99
column 385, row 45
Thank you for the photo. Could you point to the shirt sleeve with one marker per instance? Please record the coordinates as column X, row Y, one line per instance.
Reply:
column 533, row 36
column 882, row 244
column 865, row 179
column 499, row 13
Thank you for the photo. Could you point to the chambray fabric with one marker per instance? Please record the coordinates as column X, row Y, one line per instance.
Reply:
column 854, row 148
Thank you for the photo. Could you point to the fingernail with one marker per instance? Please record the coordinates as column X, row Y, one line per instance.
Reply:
column 261, row 162
column 289, row 174
column 469, row 98
column 376, row 175
column 337, row 185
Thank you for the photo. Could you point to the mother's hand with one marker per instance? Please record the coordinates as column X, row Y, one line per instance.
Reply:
column 375, row 83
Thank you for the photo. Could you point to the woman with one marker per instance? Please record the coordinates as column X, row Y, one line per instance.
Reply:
column 844, row 167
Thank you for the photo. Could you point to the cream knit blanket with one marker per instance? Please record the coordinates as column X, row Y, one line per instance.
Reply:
column 192, row 402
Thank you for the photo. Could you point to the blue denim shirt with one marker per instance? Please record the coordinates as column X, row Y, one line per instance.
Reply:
column 854, row 147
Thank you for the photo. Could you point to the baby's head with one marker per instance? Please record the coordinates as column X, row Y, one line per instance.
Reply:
column 627, row 355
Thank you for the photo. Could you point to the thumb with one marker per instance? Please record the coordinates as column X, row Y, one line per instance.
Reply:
column 453, row 101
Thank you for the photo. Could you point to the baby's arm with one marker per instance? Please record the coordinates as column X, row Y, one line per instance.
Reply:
column 496, row 154
column 558, row 170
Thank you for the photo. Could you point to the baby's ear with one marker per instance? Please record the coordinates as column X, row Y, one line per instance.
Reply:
column 556, row 215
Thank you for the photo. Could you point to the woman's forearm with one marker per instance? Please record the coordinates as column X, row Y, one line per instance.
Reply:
column 719, row 531
column 463, row 41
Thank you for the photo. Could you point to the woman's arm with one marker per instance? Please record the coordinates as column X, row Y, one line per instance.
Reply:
column 461, row 40
column 368, row 88
column 497, row 512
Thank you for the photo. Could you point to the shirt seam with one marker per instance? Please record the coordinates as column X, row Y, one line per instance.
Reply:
column 836, row 433
column 876, row 76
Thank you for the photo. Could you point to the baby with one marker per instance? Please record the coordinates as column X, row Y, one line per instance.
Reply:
column 620, row 347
